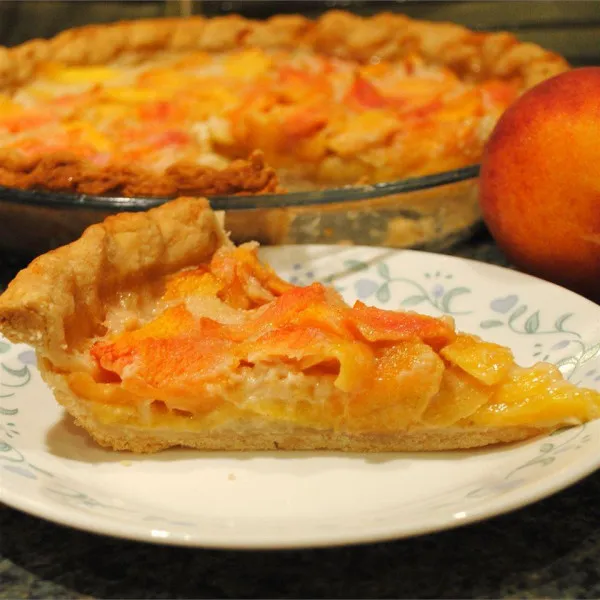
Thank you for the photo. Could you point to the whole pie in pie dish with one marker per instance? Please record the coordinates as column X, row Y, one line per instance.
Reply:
column 163, row 107
column 154, row 330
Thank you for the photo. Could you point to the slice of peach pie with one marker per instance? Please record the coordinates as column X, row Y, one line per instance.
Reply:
column 153, row 331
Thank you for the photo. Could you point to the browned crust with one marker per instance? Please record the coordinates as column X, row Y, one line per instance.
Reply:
column 435, row 440
column 64, row 172
column 472, row 55
column 61, row 298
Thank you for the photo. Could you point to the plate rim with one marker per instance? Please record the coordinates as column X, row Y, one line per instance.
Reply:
column 544, row 490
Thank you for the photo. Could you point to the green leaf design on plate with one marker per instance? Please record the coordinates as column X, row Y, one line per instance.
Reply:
column 22, row 372
column 355, row 265
column 449, row 297
column 41, row 471
column 533, row 322
column 413, row 300
column 4, row 347
column 383, row 293
column 548, row 451
column 577, row 360
column 383, row 270
column 561, row 321
column 437, row 298
column 590, row 353
column 8, row 411
column 517, row 313
column 10, row 453
column 490, row 323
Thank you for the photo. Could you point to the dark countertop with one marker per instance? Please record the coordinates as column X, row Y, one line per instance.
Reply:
column 547, row 550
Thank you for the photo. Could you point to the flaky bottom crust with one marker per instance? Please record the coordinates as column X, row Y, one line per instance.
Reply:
column 245, row 437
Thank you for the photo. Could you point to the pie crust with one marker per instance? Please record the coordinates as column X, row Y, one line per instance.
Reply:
column 76, row 304
column 472, row 56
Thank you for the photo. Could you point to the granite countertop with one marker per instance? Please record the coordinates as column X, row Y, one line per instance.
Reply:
column 548, row 550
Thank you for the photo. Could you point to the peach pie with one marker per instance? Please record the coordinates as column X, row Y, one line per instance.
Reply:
column 154, row 330
column 163, row 107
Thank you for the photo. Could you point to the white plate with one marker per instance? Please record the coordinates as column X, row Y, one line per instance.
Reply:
column 50, row 468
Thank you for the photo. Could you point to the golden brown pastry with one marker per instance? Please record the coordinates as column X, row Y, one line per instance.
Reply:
column 153, row 331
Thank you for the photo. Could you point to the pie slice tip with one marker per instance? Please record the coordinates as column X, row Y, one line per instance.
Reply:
column 153, row 330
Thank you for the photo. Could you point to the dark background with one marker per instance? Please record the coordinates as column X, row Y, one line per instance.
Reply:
column 571, row 27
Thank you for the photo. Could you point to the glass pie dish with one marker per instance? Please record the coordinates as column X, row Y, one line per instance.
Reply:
column 384, row 116
column 432, row 212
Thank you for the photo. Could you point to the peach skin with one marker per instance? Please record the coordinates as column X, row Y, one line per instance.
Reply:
column 540, row 181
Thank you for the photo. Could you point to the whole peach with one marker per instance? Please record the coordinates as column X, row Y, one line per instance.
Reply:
column 540, row 181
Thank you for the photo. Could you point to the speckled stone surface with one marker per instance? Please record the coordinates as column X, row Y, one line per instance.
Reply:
column 547, row 550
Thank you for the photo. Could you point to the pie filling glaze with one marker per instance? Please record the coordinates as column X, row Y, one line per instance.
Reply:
column 222, row 353
column 230, row 336
column 165, row 106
